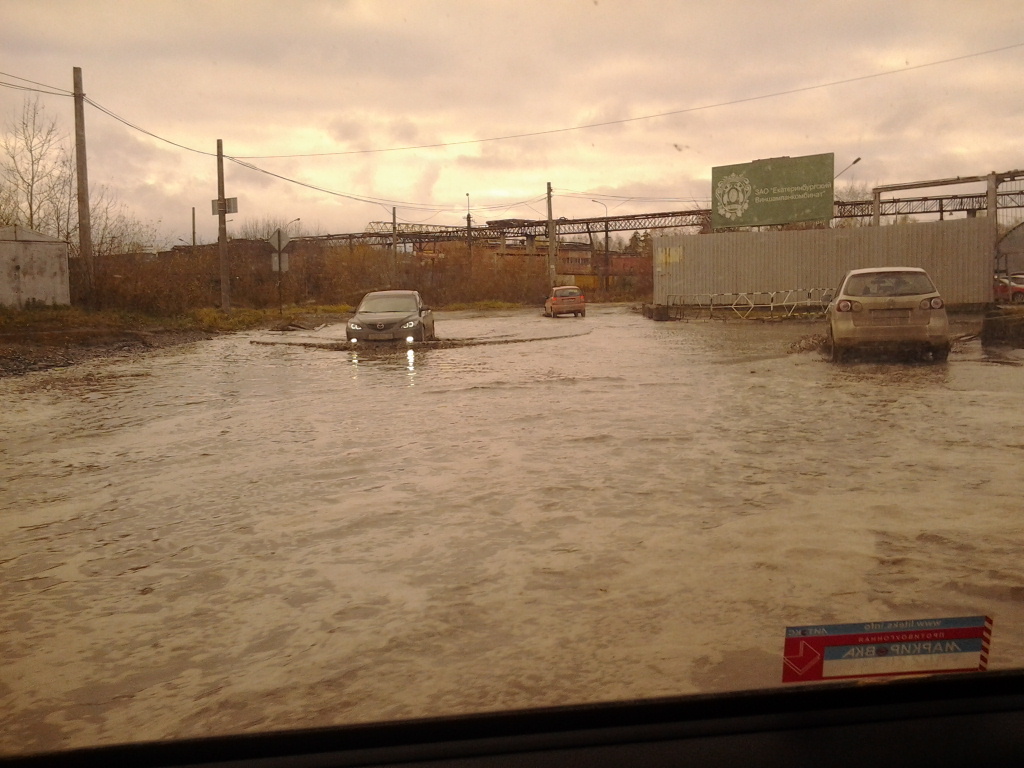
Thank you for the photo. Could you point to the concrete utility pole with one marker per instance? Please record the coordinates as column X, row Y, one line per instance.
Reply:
column 992, row 210
column 222, row 233
column 84, row 221
column 552, row 258
column 393, row 261
column 602, row 279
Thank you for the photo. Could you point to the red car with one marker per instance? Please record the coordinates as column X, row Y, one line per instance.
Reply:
column 565, row 300
column 1009, row 289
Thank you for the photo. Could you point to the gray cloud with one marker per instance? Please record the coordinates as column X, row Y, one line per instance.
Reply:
column 311, row 76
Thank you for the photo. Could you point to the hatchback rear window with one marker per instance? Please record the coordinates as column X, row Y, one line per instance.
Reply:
column 889, row 284
column 568, row 292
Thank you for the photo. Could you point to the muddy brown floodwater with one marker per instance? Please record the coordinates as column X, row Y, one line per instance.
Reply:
column 229, row 536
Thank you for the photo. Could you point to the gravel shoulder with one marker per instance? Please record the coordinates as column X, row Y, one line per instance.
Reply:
column 26, row 351
column 41, row 350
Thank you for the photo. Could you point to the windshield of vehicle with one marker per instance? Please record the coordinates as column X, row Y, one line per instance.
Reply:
column 888, row 284
column 388, row 304
column 252, row 509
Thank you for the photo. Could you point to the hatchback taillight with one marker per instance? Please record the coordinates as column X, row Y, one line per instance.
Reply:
column 844, row 306
column 933, row 303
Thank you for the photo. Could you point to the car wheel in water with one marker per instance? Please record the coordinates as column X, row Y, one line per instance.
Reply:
column 1018, row 298
column 940, row 354
column 835, row 353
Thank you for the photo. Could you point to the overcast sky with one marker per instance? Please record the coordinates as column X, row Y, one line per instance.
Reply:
column 678, row 86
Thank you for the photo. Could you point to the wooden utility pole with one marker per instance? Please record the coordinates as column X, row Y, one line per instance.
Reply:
column 222, row 233
column 84, row 221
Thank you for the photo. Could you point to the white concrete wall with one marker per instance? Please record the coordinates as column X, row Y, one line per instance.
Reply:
column 33, row 271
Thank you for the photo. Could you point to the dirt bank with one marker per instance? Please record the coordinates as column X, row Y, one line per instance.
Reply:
column 26, row 350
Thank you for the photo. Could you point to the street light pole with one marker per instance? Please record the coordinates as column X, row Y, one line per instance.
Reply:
column 846, row 169
column 602, row 276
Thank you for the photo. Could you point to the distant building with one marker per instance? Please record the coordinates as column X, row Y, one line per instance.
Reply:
column 1010, row 255
column 33, row 268
column 576, row 262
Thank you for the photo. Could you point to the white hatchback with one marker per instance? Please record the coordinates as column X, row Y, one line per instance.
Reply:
column 888, row 308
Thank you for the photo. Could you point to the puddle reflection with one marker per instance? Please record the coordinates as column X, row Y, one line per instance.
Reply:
column 390, row 359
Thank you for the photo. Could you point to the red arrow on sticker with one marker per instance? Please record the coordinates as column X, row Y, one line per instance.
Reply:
column 805, row 658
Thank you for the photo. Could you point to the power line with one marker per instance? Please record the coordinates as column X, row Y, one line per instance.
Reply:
column 131, row 125
column 250, row 166
column 380, row 201
column 581, row 195
column 547, row 132
column 682, row 111
column 49, row 90
column 52, row 90
column 240, row 159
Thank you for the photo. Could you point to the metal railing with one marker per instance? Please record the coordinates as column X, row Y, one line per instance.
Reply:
column 782, row 303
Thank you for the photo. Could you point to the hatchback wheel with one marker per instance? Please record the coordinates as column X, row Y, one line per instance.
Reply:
column 836, row 354
column 830, row 346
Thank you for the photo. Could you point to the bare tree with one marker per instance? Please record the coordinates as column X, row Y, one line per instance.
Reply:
column 38, row 188
column 8, row 205
column 34, row 167
column 114, row 230
column 263, row 227
column 852, row 192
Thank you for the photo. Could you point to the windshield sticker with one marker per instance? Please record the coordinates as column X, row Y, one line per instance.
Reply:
column 886, row 648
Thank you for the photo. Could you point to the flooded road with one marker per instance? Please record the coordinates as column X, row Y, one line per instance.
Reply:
column 234, row 536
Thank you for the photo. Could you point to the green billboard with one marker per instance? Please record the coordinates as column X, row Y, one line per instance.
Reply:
column 780, row 190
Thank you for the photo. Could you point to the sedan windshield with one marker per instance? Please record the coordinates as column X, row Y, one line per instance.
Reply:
column 889, row 284
column 388, row 304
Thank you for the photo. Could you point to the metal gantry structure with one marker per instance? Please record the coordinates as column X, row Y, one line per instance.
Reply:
column 386, row 233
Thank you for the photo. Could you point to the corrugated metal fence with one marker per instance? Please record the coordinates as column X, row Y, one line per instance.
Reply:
column 957, row 254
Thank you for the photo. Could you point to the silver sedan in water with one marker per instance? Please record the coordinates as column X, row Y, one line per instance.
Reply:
column 391, row 316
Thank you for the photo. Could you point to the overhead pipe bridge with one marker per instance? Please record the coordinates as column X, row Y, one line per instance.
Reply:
column 385, row 233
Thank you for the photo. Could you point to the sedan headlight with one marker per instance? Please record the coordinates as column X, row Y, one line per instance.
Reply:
column 411, row 324
column 355, row 326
